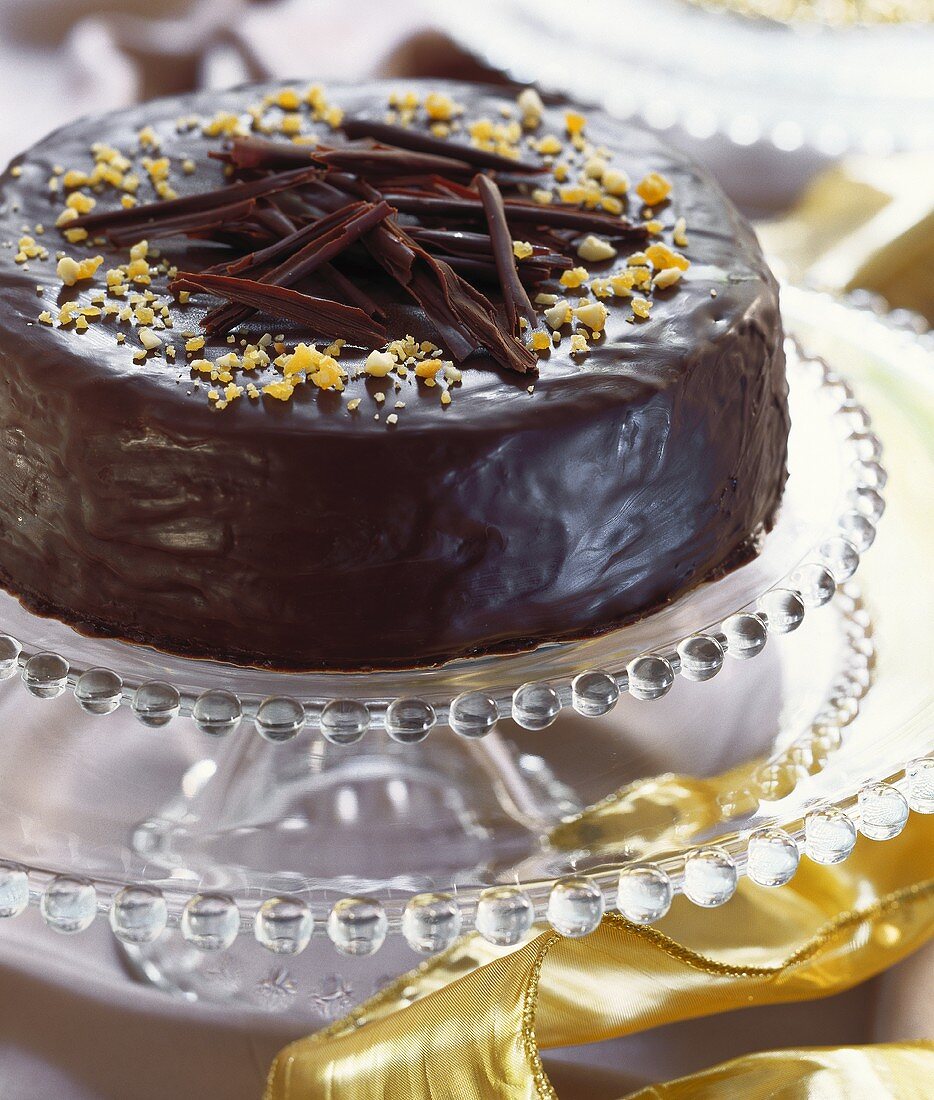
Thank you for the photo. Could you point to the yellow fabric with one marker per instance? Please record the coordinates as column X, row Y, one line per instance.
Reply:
column 902, row 1070
column 470, row 1023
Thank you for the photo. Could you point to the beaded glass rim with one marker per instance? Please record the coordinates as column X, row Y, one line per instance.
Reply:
column 769, row 76
column 800, row 565
column 505, row 915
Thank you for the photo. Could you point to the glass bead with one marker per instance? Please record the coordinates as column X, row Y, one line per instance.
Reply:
column 409, row 721
column 279, row 719
column 783, row 609
column 68, row 904
column 45, row 675
column 283, row 925
column 841, row 556
column 701, row 657
column 505, row 915
column 594, row 693
column 210, row 922
column 217, row 713
column 829, row 835
column 776, row 780
column 871, row 475
column 156, row 703
column 575, row 907
column 98, row 691
column 868, row 502
column 473, row 714
column 771, row 857
column 650, row 677
column 745, row 635
column 431, row 922
column 10, row 650
column 814, row 583
column 357, row 926
column 883, row 811
column 138, row 914
column 921, row 785
column 14, row 889
column 858, row 529
column 344, row 721
column 865, row 446
column 709, row 877
column 644, row 893
column 535, row 706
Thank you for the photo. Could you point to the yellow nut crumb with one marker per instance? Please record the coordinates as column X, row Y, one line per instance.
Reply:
column 593, row 315
column 540, row 341
column 71, row 271
column 196, row 343
column 667, row 277
column 579, row 343
column 149, row 339
column 530, row 107
column 522, row 250
column 653, row 188
column 440, row 107
column 574, row 122
column 615, row 182
column 428, row 368
column 679, row 234
column 541, row 196
column 445, row 397
column 661, row 256
column 595, row 249
column 558, row 314
column 574, row 277
column 549, row 145
column 379, row 364
column 641, row 307
column 281, row 391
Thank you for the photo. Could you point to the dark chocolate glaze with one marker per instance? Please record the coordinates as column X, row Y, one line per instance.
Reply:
column 301, row 535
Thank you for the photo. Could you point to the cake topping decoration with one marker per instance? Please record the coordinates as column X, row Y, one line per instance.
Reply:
column 443, row 219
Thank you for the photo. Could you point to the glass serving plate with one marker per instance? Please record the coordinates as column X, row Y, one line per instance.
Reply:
column 674, row 64
column 351, row 823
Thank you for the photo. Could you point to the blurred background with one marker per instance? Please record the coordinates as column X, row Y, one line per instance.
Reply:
column 817, row 116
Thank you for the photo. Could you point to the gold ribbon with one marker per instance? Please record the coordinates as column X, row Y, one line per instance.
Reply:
column 904, row 1070
column 470, row 1023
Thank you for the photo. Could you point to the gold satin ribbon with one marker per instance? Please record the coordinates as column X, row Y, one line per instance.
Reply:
column 903, row 1070
column 470, row 1023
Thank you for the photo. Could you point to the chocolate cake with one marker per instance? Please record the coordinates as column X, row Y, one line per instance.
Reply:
column 376, row 376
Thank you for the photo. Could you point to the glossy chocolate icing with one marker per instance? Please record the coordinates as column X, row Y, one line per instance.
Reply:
column 301, row 535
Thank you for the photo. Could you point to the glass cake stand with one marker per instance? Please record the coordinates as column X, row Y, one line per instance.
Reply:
column 290, row 842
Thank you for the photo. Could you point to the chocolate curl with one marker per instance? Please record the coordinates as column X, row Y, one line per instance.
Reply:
column 514, row 296
column 405, row 138
column 464, row 316
column 321, row 249
column 321, row 315
column 521, row 213
column 207, row 202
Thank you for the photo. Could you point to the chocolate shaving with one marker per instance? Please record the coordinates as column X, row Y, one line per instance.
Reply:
column 460, row 242
column 424, row 143
column 198, row 223
column 514, row 296
column 521, row 213
column 321, row 315
column 300, row 263
column 204, row 201
column 463, row 314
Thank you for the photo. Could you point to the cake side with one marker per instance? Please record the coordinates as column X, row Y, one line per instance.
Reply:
column 302, row 533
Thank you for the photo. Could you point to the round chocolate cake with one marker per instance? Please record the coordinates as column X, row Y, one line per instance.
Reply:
column 376, row 376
